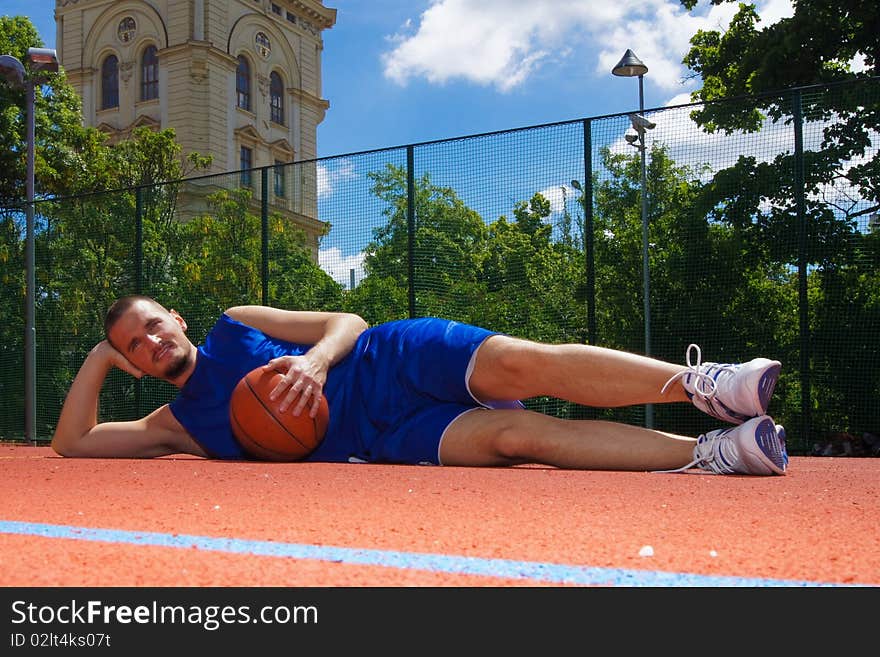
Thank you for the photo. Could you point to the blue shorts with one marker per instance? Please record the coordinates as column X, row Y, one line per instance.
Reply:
column 394, row 396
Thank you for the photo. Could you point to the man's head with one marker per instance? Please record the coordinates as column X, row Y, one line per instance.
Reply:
column 151, row 337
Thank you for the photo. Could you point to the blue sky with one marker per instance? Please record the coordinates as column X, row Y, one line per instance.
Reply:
column 406, row 71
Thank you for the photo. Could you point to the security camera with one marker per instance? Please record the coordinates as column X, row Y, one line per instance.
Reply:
column 640, row 123
column 631, row 138
column 43, row 60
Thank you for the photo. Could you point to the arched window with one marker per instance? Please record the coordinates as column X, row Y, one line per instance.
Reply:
column 149, row 74
column 110, row 82
column 276, row 93
column 243, row 83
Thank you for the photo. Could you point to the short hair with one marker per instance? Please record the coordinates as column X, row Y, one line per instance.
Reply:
column 120, row 306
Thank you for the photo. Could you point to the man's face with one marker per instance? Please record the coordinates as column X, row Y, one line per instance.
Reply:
column 153, row 340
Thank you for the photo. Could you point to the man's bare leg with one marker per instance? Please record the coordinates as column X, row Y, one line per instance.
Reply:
column 512, row 368
column 484, row 437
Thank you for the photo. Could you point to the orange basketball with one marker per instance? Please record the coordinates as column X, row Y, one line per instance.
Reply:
column 265, row 432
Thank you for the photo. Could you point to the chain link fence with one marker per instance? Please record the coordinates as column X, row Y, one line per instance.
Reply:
column 762, row 240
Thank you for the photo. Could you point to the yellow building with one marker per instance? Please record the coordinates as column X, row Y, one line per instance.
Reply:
column 239, row 80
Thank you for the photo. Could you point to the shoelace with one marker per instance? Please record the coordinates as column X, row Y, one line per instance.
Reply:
column 702, row 377
column 708, row 456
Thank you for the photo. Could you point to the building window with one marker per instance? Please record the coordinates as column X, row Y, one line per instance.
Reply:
column 110, row 82
column 276, row 9
column 243, row 83
column 276, row 93
column 126, row 29
column 264, row 46
column 279, row 171
column 246, row 164
column 149, row 74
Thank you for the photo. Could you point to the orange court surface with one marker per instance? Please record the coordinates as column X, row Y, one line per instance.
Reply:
column 190, row 522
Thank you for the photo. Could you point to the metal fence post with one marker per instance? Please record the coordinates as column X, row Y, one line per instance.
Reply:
column 264, row 234
column 139, row 278
column 589, row 253
column 803, row 302
column 411, row 228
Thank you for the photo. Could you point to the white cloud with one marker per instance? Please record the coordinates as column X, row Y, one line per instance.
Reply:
column 502, row 42
column 559, row 196
column 679, row 99
column 339, row 266
column 331, row 174
column 687, row 142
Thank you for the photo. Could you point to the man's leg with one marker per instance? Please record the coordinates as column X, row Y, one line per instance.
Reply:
column 511, row 437
column 512, row 368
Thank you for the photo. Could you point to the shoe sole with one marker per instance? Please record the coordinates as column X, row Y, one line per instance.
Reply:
column 767, row 384
column 771, row 454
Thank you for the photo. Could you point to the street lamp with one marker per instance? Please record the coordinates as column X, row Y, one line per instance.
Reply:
column 631, row 66
column 40, row 61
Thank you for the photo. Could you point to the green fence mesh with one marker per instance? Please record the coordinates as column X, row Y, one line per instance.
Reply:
column 762, row 240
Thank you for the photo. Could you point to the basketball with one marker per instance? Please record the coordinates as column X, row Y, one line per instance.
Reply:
column 265, row 432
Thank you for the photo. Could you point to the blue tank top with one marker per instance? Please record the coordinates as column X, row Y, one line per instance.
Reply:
column 231, row 350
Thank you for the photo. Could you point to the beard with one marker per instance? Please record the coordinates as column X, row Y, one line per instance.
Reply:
column 177, row 367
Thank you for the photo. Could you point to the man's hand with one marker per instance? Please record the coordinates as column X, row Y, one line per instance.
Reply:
column 332, row 336
column 112, row 357
column 302, row 375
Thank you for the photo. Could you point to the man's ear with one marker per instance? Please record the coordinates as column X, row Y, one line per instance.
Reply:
column 180, row 320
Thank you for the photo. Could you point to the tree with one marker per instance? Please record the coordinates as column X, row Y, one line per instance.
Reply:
column 58, row 129
column 447, row 242
column 219, row 262
column 835, row 44
column 822, row 43
column 528, row 278
column 711, row 284
column 62, row 145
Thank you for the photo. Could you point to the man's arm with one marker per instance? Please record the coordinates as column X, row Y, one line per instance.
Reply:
column 332, row 336
column 79, row 434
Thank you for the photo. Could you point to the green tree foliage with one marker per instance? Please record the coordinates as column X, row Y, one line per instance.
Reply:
column 87, row 249
column 692, row 260
column 448, row 244
column 823, row 42
column 57, row 123
column 221, row 261
column 506, row 275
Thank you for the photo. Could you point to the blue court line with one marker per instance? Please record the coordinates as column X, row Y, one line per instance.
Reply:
column 458, row 565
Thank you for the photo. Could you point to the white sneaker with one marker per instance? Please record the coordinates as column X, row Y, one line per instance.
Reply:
column 731, row 392
column 756, row 447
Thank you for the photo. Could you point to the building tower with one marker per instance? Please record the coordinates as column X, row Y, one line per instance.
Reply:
column 239, row 80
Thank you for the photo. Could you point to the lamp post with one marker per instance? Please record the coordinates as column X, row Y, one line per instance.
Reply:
column 40, row 60
column 631, row 66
